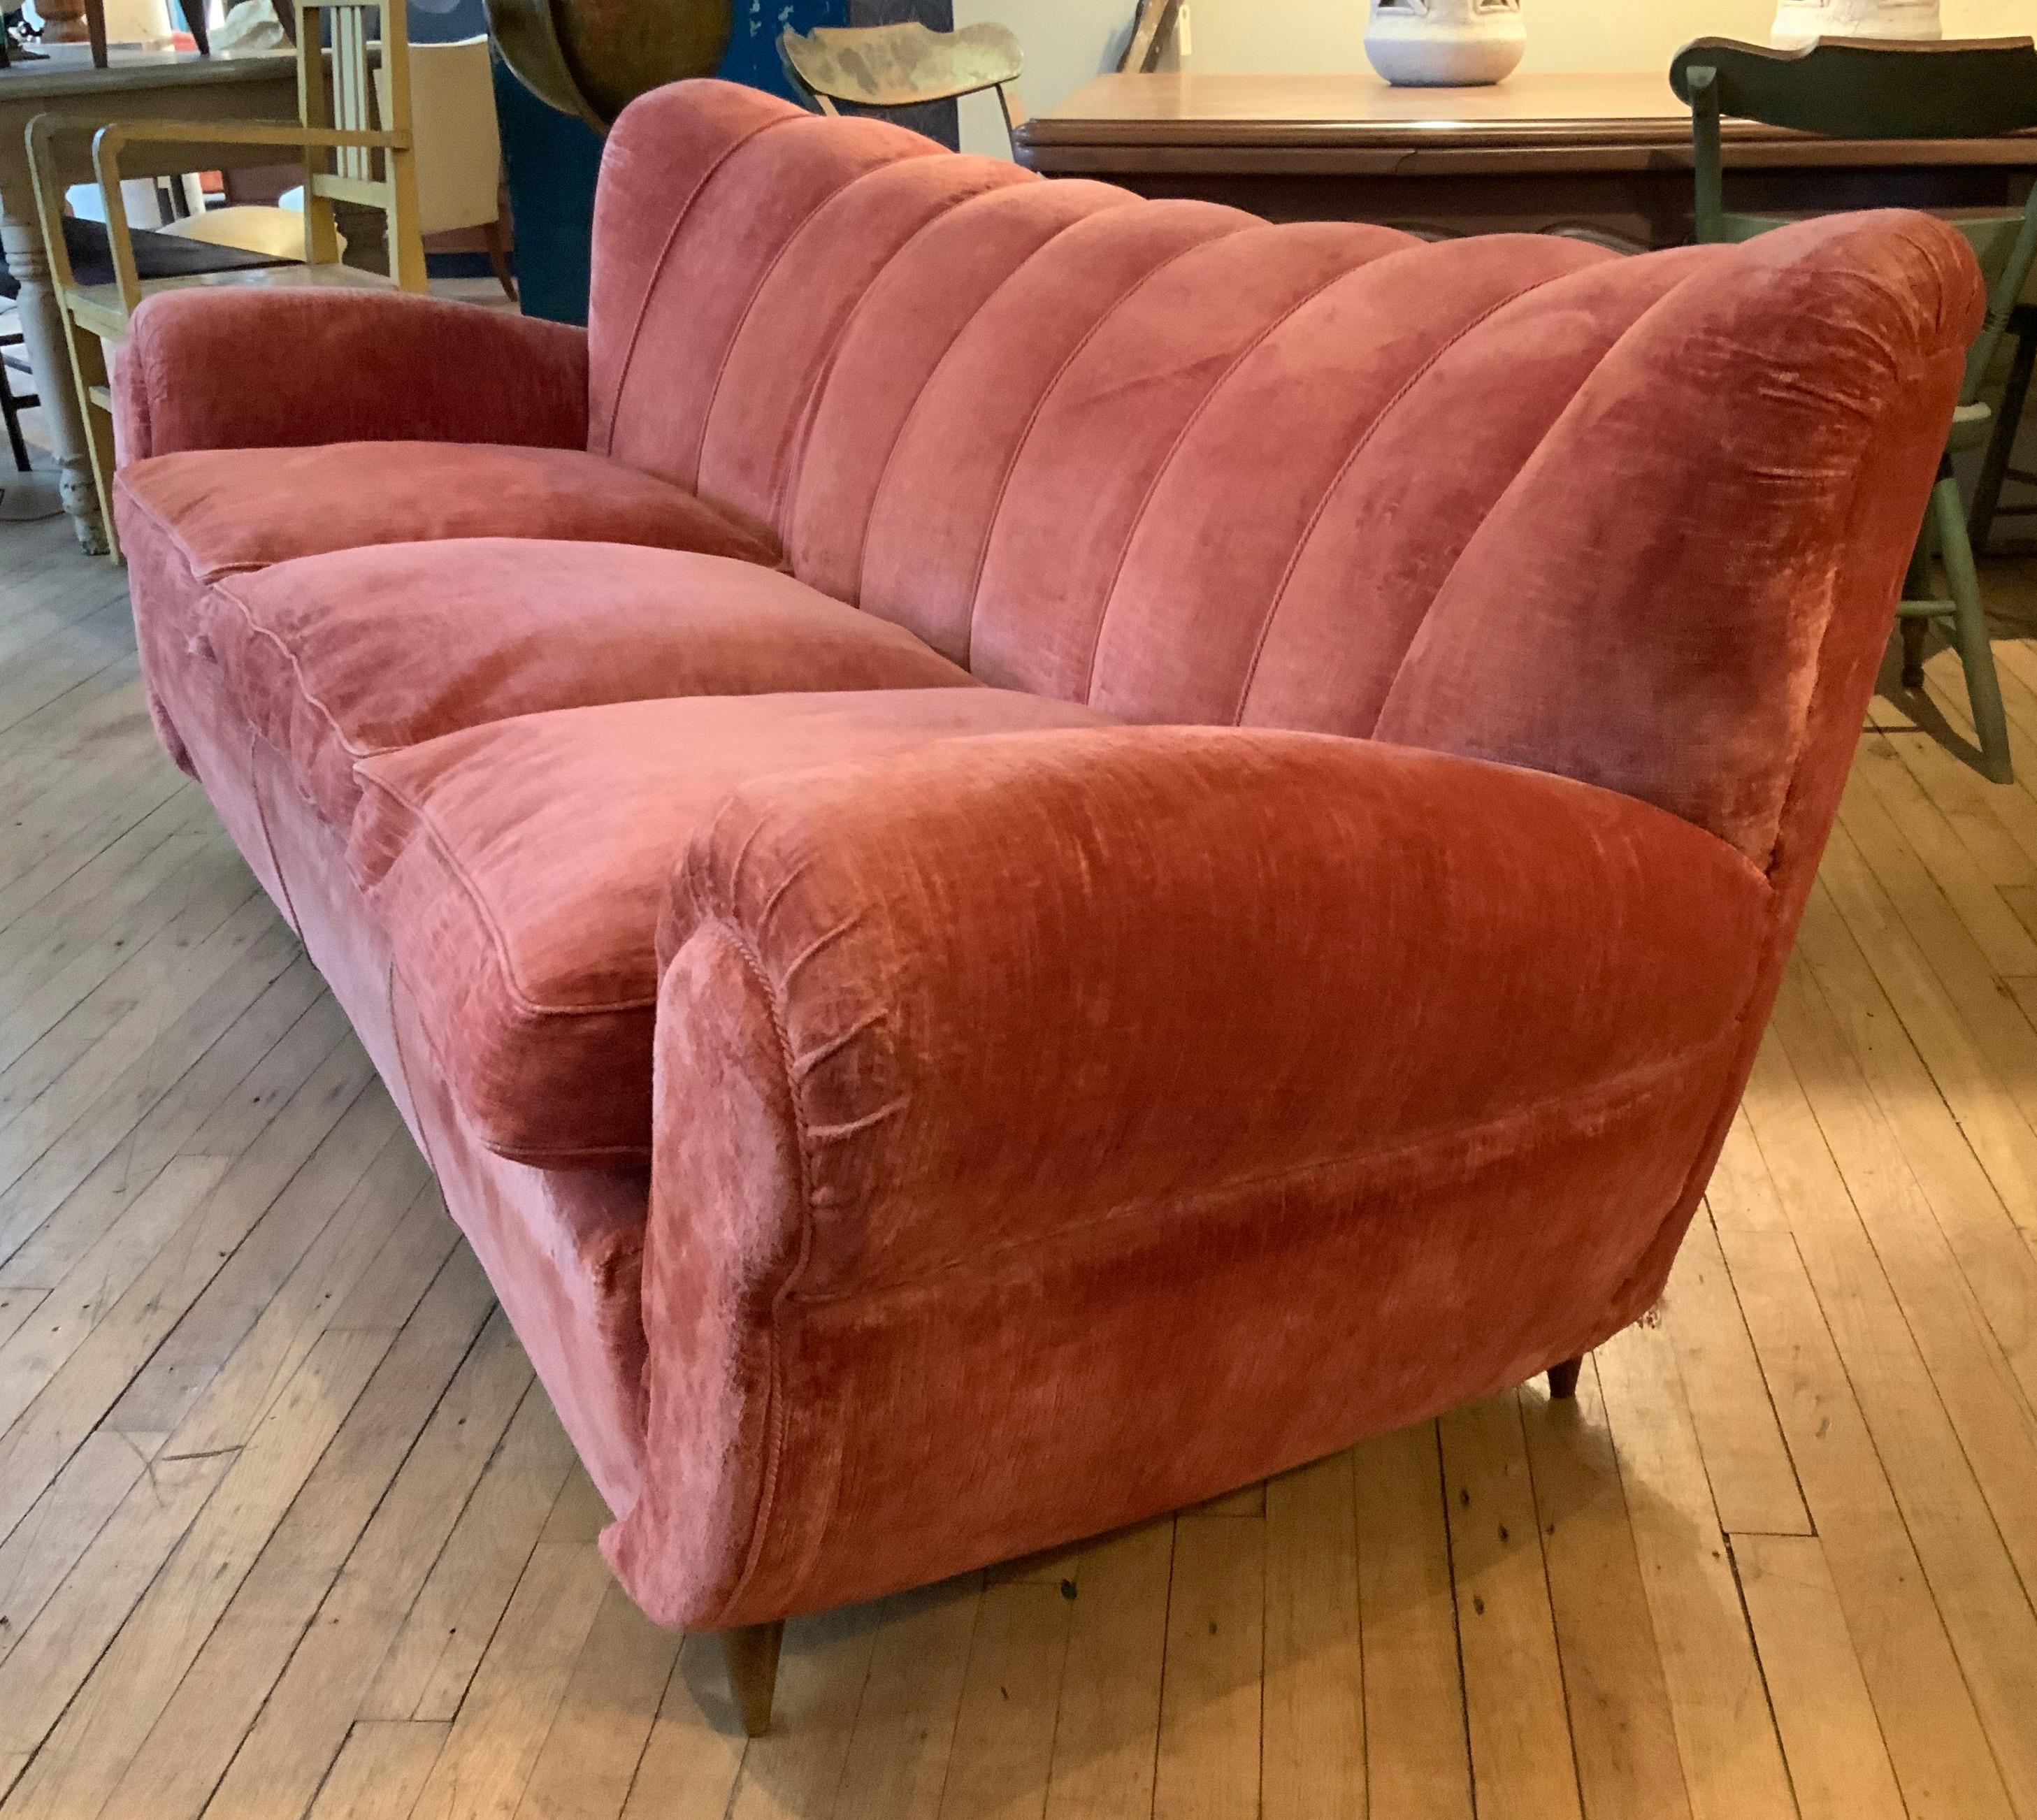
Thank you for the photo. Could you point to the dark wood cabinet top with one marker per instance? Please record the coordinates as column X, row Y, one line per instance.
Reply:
column 1356, row 122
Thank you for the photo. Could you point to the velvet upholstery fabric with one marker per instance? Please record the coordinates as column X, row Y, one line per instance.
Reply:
column 342, row 366
column 1227, row 959
column 564, row 1249
column 228, row 510
column 735, row 228
column 969, row 422
column 902, row 333
column 170, row 604
column 1736, row 573
column 518, row 867
column 337, row 658
column 1051, row 1120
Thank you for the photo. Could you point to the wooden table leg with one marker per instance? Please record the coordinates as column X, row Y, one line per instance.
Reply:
column 42, row 330
column 66, row 22
column 749, row 1653
column 366, row 232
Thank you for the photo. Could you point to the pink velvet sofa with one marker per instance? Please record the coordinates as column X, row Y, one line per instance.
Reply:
column 1023, row 854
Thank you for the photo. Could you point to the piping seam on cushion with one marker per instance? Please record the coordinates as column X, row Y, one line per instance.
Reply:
column 304, row 691
column 912, row 411
column 794, row 466
column 519, row 993
column 1032, row 417
column 202, row 574
column 1335, row 480
column 1174, row 448
column 613, row 405
column 757, row 290
column 529, row 1156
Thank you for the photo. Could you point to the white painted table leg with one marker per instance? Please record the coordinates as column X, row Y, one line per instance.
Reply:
column 42, row 330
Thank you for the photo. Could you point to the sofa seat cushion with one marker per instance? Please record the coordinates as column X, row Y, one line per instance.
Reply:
column 518, row 870
column 337, row 658
column 228, row 510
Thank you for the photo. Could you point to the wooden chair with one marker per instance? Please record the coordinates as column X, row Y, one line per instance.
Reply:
column 347, row 158
column 12, row 403
column 886, row 66
column 1996, row 467
column 458, row 143
column 1876, row 88
column 1155, row 30
column 65, row 21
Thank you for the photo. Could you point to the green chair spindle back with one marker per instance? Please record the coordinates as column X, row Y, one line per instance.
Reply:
column 1862, row 89
column 1870, row 88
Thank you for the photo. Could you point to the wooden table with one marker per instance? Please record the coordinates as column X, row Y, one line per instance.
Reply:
column 1611, row 154
column 165, row 85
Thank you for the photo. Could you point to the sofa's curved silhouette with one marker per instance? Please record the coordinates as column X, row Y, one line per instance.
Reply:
column 1021, row 854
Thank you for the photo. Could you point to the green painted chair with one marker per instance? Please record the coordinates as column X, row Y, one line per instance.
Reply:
column 1869, row 89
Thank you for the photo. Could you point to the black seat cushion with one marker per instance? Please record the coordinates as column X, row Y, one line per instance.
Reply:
column 156, row 255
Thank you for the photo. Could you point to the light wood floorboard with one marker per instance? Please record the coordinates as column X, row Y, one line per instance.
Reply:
column 288, row 1528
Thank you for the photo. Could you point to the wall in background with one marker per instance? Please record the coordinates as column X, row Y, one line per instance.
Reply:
column 1563, row 35
column 1068, row 41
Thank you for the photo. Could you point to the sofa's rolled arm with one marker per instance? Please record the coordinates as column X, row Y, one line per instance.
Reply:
column 230, row 367
column 1053, row 1127
column 1025, row 981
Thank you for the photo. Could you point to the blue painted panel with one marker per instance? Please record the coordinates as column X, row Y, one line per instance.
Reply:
column 446, row 21
column 752, row 46
column 552, row 160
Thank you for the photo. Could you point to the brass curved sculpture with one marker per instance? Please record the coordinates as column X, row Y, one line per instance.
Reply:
column 592, row 58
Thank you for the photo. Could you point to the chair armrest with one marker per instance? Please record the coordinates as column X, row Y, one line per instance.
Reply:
column 257, row 367
column 111, row 139
column 1162, row 960
column 1056, row 1128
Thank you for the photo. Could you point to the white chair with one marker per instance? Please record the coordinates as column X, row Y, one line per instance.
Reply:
column 254, row 228
column 459, row 144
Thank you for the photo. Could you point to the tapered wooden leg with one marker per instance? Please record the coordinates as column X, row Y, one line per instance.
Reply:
column 498, row 257
column 750, row 1653
column 1969, row 622
column 1914, row 632
column 1563, row 1378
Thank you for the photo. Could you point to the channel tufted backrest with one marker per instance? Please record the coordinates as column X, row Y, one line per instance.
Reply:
column 1683, row 592
column 1513, row 496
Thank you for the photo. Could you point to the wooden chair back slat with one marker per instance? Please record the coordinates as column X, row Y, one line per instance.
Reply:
column 1873, row 88
column 337, row 87
column 1881, row 89
column 348, row 154
column 886, row 66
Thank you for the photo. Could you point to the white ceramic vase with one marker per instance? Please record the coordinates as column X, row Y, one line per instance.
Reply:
column 1798, row 22
column 1445, row 43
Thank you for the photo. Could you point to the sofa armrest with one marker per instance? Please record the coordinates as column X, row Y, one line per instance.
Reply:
column 1029, row 980
column 1158, row 1096
column 228, row 368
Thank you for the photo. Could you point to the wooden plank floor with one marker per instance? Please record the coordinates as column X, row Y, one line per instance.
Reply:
column 287, row 1527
